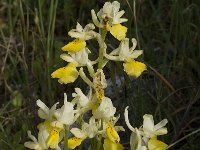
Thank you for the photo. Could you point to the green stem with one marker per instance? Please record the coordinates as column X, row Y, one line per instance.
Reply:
column 101, row 47
column 66, row 138
column 99, row 143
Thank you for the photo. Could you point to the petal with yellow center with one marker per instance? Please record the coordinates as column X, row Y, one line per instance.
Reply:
column 134, row 68
column 109, row 145
column 53, row 139
column 118, row 31
column 66, row 74
column 112, row 133
column 74, row 142
column 155, row 144
column 74, row 46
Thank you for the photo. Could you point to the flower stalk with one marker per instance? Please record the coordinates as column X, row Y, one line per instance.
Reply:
column 66, row 138
column 100, row 127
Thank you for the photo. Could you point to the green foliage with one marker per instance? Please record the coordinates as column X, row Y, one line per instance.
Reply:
column 32, row 33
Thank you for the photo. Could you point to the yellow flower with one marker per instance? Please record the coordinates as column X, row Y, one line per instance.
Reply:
column 66, row 74
column 118, row 31
column 109, row 145
column 74, row 142
column 53, row 138
column 112, row 133
column 110, row 19
column 155, row 144
column 134, row 68
column 74, row 46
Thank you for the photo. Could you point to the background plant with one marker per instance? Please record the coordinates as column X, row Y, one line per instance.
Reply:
column 32, row 33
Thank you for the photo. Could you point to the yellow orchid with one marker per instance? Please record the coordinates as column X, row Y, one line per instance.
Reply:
column 66, row 74
column 110, row 19
column 80, row 35
column 134, row 68
column 39, row 144
column 151, row 130
column 128, row 55
column 88, row 131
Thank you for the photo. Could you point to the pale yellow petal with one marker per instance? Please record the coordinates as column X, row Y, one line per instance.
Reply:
column 66, row 74
column 53, row 138
column 118, row 31
column 74, row 46
column 155, row 144
column 74, row 142
column 112, row 133
column 134, row 68
column 109, row 145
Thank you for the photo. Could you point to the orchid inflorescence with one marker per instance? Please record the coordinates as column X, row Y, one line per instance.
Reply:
column 101, row 125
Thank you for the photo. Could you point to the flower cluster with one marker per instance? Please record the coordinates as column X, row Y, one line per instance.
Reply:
column 146, row 136
column 53, row 131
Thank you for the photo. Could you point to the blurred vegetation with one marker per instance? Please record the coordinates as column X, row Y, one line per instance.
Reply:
column 32, row 33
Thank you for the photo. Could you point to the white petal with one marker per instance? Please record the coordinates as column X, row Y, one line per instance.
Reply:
column 42, row 136
column 116, row 5
column 136, row 53
column 89, row 27
column 66, row 57
column 77, row 133
column 31, row 136
column 31, row 145
column 127, row 120
column 42, row 106
column 107, row 9
column 120, row 13
column 95, row 20
column 134, row 43
column 75, row 34
column 161, row 131
column 106, row 110
column 160, row 124
column 65, row 98
column 83, row 100
column 67, row 112
column 148, row 123
column 79, row 28
column 52, row 110
column 42, row 114
column 124, row 49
